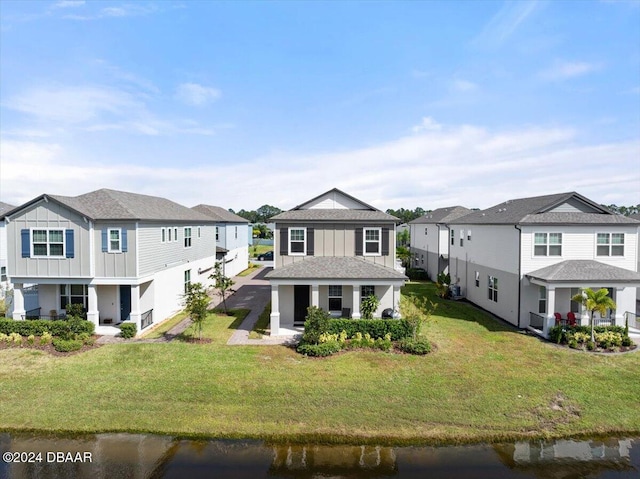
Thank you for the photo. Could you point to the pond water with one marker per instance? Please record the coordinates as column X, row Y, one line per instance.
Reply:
column 141, row 456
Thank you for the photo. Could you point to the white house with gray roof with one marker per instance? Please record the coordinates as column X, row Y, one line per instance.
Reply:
column 524, row 259
column 232, row 238
column 122, row 256
column 331, row 252
column 430, row 239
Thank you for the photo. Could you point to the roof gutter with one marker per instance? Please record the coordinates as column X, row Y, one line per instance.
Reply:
column 519, row 269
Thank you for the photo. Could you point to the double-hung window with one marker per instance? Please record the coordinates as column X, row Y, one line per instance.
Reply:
column 493, row 289
column 453, row 237
column 115, row 240
column 187, row 237
column 187, row 280
column 547, row 244
column 366, row 291
column 461, row 237
column 48, row 243
column 477, row 279
column 610, row 244
column 372, row 241
column 335, row 298
column 542, row 300
column 297, row 241
column 217, row 233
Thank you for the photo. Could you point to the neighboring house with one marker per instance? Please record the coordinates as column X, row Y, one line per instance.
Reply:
column 637, row 218
column 331, row 252
column 232, row 238
column 524, row 259
column 430, row 239
column 4, row 283
column 122, row 256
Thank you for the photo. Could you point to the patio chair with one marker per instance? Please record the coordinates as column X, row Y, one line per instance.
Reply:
column 558, row 318
column 571, row 318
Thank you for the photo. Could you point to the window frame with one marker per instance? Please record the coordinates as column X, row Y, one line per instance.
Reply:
column 335, row 297
column 303, row 241
column 65, row 292
column 492, row 288
column 542, row 300
column 187, row 280
column 477, row 279
column 378, row 230
column 187, row 237
column 217, row 233
column 363, row 290
column 610, row 245
column 48, row 243
column 548, row 246
column 452, row 235
column 3, row 273
column 109, row 240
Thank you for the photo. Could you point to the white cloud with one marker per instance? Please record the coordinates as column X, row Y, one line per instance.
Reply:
column 504, row 23
column 563, row 70
column 467, row 165
column 427, row 124
column 196, row 95
column 69, row 4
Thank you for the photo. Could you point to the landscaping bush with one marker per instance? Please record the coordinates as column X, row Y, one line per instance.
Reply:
column 46, row 338
column 67, row 345
column 415, row 346
column 128, row 330
column 37, row 327
column 376, row 328
column 417, row 274
column 564, row 334
column 319, row 350
column 316, row 324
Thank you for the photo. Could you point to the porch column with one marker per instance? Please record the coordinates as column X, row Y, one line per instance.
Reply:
column 18, row 301
column 619, row 311
column 136, row 315
column 355, row 314
column 315, row 295
column 275, row 311
column 93, row 314
column 550, row 320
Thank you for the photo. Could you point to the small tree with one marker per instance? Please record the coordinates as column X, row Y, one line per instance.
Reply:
column 368, row 306
column 442, row 285
column 594, row 301
column 196, row 303
column 417, row 312
column 222, row 284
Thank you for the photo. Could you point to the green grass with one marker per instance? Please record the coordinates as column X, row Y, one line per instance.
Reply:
column 252, row 267
column 262, row 326
column 256, row 250
column 165, row 326
column 485, row 381
column 217, row 326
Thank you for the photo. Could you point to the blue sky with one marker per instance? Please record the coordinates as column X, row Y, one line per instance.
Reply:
column 402, row 104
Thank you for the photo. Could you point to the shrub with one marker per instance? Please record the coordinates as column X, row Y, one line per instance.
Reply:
column 415, row 346
column 626, row 341
column 368, row 306
column 316, row 324
column 608, row 339
column 128, row 330
column 319, row 350
column 377, row 328
column 417, row 274
column 59, row 328
column 4, row 338
column 563, row 334
column 67, row 345
column 15, row 338
column 75, row 311
column 45, row 338
column 31, row 339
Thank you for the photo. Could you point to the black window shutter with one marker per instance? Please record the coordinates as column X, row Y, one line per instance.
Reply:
column 385, row 241
column 310, row 241
column 358, row 241
column 284, row 241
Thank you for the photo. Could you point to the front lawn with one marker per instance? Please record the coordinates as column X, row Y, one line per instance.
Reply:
column 485, row 381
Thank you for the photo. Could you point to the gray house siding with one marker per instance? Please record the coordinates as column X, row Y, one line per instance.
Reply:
column 49, row 215
column 336, row 240
column 429, row 261
column 115, row 264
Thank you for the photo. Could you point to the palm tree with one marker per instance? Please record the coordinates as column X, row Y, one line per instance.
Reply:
column 595, row 301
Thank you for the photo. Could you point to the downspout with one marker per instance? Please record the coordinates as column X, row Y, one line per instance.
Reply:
column 519, row 269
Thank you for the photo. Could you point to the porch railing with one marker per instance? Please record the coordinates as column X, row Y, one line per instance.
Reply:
column 536, row 321
column 32, row 314
column 604, row 321
column 146, row 319
column 632, row 319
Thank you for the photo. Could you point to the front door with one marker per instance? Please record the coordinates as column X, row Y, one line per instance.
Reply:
column 300, row 303
column 125, row 302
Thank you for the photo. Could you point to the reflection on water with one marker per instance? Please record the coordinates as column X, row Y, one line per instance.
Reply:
column 153, row 457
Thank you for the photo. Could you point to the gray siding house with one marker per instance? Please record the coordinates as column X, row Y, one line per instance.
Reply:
column 331, row 252
column 122, row 256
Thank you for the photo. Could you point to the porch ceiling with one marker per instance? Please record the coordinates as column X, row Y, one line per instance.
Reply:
column 581, row 271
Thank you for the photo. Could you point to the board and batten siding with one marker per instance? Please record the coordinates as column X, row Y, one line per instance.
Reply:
column 335, row 239
column 154, row 255
column 115, row 264
column 579, row 242
column 49, row 215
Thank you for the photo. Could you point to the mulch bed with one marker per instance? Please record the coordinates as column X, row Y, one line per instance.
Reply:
column 47, row 348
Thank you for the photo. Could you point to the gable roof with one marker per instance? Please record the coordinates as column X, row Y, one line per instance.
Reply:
column 5, row 208
column 219, row 214
column 105, row 204
column 365, row 213
column 442, row 215
column 539, row 210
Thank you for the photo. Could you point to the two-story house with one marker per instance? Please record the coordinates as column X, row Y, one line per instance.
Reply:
column 331, row 252
column 430, row 239
column 122, row 256
column 232, row 238
column 524, row 259
column 4, row 283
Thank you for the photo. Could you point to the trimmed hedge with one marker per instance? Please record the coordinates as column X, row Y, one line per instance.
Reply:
column 558, row 334
column 128, row 330
column 37, row 327
column 319, row 350
column 377, row 328
column 67, row 345
column 417, row 274
column 415, row 346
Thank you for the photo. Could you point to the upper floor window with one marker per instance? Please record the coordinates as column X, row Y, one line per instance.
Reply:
column 3, row 273
column 610, row 244
column 426, row 230
column 453, row 237
column 461, row 237
column 547, row 244
column 115, row 237
column 175, row 234
column 469, row 235
column 372, row 241
column 199, row 232
column 187, row 237
column 297, row 241
column 163, row 235
column 169, row 233
column 493, row 288
column 217, row 233
column 236, row 232
column 47, row 242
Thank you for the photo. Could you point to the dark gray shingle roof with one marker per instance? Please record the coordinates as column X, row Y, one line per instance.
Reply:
column 5, row 208
column 331, row 267
column 535, row 210
column 219, row 214
column 582, row 271
column 108, row 204
column 442, row 215
column 333, row 215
